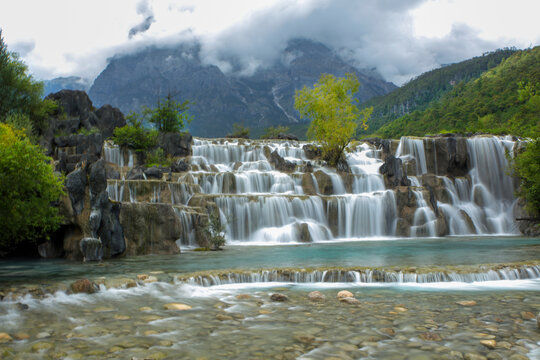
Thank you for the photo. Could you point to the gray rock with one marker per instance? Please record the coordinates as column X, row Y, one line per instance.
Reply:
column 180, row 166
column 91, row 249
column 76, row 186
column 154, row 173
column 312, row 151
column 176, row 144
column 280, row 163
column 109, row 118
column 394, row 172
column 97, row 179
column 136, row 173
column 279, row 297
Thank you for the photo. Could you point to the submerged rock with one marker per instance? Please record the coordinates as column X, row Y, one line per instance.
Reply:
column 91, row 248
column 316, row 296
column 344, row 294
column 83, row 286
column 176, row 306
column 279, row 297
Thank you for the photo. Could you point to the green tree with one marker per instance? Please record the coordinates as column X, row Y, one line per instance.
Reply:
column 169, row 115
column 20, row 94
column 239, row 131
column 28, row 186
column 526, row 166
column 333, row 111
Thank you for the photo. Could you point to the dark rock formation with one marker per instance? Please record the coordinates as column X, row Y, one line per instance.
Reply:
column 109, row 118
column 394, row 173
column 180, row 166
column 154, row 172
column 76, row 187
column 280, row 163
column 175, row 144
column 136, row 173
column 324, row 182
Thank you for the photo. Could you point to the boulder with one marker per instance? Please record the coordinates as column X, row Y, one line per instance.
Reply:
column 279, row 297
column 154, row 173
column 302, row 233
column 84, row 286
column 176, row 144
column 97, row 179
column 180, row 165
column 91, row 249
column 316, row 296
column 344, row 294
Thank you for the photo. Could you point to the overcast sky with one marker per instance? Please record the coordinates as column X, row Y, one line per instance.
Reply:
column 401, row 38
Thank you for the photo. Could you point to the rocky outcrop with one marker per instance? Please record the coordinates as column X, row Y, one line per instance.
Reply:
column 150, row 228
column 447, row 155
column 312, row 152
column 176, row 144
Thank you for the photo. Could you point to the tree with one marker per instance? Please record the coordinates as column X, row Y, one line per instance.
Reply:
column 273, row 132
column 134, row 135
column 526, row 166
column 28, row 186
column 169, row 115
column 20, row 94
column 331, row 106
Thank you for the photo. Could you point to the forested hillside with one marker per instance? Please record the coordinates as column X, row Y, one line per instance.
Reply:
column 418, row 93
column 503, row 100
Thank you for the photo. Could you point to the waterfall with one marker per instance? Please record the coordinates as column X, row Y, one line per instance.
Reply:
column 114, row 154
column 425, row 221
column 413, row 149
column 362, row 276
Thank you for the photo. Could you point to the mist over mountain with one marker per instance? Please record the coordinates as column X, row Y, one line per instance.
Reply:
column 260, row 99
column 68, row 83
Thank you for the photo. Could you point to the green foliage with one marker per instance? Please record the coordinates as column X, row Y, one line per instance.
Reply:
column 331, row 106
column 134, row 135
column 20, row 94
column 93, row 130
column 526, row 166
column 502, row 100
column 28, row 186
column 169, row 115
column 215, row 231
column 157, row 158
column 239, row 131
column 23, row 123
column 419, row 93
column 273, row 132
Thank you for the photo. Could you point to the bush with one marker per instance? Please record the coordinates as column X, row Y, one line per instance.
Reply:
column 526, row 166
column 134, row 135
column 273, row 132
column 28, row 186
column 239, row 131
column 157, row 158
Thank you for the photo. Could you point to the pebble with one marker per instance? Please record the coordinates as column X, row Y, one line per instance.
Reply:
column 21, row 336
column 430, row 336
column 39, row 346
column 490, row 344
column 527, row 315
column 103, row 309
column 350, row 300
column 4, row 338
column 43, row 335
column 400, row 309
column 474, row 356
column 176, row 306
column 121, row 317
column 243, row 296
column 223, row 317
column 145, row 308
column 466, row 303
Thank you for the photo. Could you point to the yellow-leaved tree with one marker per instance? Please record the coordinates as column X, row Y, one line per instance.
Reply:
column 331, row 106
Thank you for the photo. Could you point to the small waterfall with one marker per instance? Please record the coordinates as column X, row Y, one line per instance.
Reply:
column 425, row 221
column 226, row 152
column 114, row 154
column 188, row 221
column 413, row 149
column 362, row 276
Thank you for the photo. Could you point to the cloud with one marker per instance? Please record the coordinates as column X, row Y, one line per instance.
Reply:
column 369, row 33
column 23, row 48
column 144, row 9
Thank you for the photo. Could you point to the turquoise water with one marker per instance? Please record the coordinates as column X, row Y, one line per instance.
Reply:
column 403, row 252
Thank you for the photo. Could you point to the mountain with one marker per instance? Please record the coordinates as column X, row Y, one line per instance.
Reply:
column 418, row 93
column 502, row 100
column 262, row 99
column 65, row 83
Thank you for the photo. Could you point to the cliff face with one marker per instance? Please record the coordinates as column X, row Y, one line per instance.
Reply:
column 262, row 99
